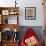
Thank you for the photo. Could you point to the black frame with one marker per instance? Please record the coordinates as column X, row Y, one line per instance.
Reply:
column 31, row 17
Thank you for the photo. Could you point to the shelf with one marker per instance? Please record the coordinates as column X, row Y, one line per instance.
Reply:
column 4, row 8
column 7, row 23
column 8, row 10
column 11, row 41
column 10, row 26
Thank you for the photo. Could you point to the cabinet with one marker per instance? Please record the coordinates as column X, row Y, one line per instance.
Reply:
column 9, row 26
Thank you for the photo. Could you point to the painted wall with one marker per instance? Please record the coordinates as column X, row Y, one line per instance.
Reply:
column 26, row 3
column 37, row 29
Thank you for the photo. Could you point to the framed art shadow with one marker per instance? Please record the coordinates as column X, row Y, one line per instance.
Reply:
column 30, row 13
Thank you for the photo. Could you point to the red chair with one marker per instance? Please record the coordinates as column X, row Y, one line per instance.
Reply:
column 29, row 33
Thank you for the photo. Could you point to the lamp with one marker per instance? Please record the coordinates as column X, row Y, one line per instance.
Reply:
column 15, row 3
column 15, row 30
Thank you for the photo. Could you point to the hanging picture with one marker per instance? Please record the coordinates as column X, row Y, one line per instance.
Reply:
column 30, row 13
column 5, row 12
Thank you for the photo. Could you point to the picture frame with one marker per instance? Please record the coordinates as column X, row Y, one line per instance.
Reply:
column 13, row 12
column 5, row 12
column 30, row 13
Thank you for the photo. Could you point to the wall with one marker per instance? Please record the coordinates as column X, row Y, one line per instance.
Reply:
column 39, row 12
column 27, row 3
column 37, row 29
column 37, row 24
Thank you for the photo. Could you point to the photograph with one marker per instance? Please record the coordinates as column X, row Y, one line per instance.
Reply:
column 30, row 13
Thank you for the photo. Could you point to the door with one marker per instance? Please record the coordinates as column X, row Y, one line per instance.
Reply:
column 44, row 6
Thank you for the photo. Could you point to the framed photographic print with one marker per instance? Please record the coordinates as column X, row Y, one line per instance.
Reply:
column 13, row 12
column 30, row 13
column 5, row 12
